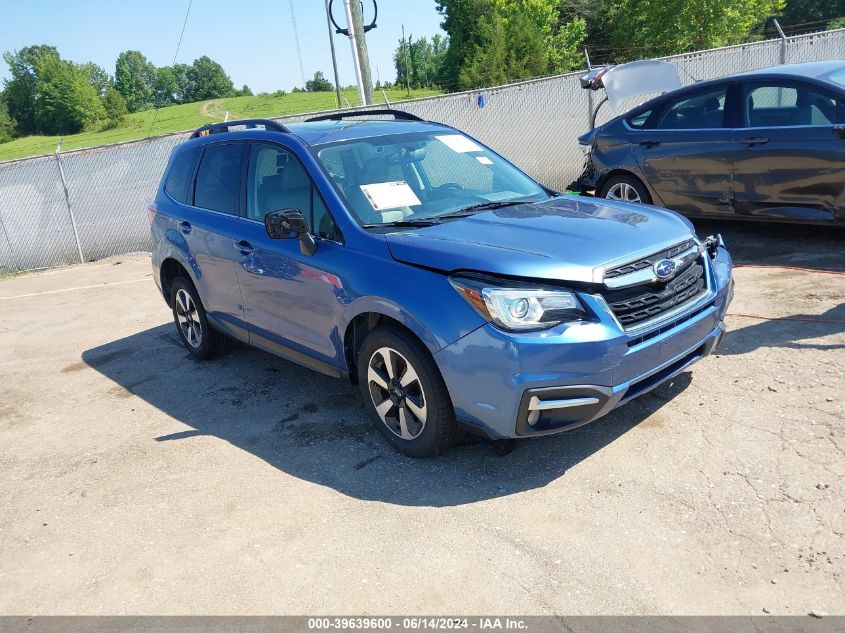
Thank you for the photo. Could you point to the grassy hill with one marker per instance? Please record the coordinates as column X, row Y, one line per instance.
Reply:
column 190, row 116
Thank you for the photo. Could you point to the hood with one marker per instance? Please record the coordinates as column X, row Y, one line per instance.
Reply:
column 566, row 238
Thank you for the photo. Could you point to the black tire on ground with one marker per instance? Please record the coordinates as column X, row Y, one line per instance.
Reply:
column 439, row 430
column 199, row 338
column 620, row 181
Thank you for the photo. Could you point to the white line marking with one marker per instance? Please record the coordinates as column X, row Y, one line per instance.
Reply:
column 103, row 285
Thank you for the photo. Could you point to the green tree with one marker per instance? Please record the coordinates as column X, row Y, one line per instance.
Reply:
column 98, row 77
column 134, row 77
column 208, row 80
column 562, row 38
column 462, row 20
column 115, row 107
column 165, row 87
column 21, row 89
column 319, row 83
column 803, row 11
column 66, row 101
column 7, row 123
column 539, row 37
column 245, row 91
column 423, row 58
column 672, row 26
column 402, row 63
column 513, row 49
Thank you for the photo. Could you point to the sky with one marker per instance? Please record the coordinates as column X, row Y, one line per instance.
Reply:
column 252, row 39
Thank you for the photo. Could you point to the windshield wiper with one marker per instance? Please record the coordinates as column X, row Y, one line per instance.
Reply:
column 482, row 206
column 404, row 223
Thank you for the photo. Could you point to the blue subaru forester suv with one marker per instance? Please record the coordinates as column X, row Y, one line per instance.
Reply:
column 406, row 256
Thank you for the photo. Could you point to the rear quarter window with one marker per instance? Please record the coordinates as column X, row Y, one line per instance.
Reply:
column 638, row 120
column 177, row 183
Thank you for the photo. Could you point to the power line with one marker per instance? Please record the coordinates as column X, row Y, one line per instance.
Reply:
column 296, row 41
column 175, row 55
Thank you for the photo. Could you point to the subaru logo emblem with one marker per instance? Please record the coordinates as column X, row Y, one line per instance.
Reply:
column 664, row 269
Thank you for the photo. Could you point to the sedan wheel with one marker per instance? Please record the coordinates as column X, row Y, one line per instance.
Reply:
column 397, row 393
column 624, row 192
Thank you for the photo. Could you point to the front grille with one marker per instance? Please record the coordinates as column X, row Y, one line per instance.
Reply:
column 637, row 304
column 648, row 262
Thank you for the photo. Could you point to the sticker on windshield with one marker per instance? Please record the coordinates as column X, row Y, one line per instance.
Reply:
column 484, row 160
column 390, row 195
column 460, row 143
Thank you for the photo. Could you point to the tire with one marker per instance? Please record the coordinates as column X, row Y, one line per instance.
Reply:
column 197, row 336
column 416, row 417
column 622, row 185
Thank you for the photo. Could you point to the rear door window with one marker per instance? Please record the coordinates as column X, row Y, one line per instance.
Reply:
column 219, row 178
column 181, row 175
column 700, row 111
column 787, row 104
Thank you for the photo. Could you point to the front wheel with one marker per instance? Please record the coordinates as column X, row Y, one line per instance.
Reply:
column 626, row 189
column 405, row 393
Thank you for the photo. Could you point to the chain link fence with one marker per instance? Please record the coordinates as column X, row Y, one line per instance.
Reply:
column 89, row 204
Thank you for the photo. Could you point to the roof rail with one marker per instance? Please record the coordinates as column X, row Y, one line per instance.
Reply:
column 399, row 115
column 219, row 128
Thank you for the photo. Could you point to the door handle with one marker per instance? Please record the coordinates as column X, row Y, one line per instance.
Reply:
column 649, row 144
column 754, row 140
column 244, row 247
column 839, row 130
column 185, row 227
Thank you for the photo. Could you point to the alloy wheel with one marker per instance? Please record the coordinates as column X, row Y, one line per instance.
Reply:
column 188, row 319
column 397, row 393
column 624, row 192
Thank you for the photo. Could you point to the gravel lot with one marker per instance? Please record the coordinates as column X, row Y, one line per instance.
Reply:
column 136, row 480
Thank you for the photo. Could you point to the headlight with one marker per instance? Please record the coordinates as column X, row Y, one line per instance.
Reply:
column 518, row 308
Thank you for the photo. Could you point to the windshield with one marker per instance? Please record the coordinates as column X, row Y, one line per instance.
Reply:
column 421, row 177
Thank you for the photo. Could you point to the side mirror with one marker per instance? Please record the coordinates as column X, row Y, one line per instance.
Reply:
column 289, row 224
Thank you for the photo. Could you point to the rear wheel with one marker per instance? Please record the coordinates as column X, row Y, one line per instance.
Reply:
column 626, row 189
column 405, row 393
column 192, row 323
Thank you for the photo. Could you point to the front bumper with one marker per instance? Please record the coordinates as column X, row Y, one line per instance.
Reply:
column 508, row 385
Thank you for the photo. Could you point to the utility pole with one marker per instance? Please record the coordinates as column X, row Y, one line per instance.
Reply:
column 355, row 17
column 334, row 57
column 362, row 93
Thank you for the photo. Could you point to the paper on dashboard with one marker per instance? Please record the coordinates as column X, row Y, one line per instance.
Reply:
column 390, row 195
